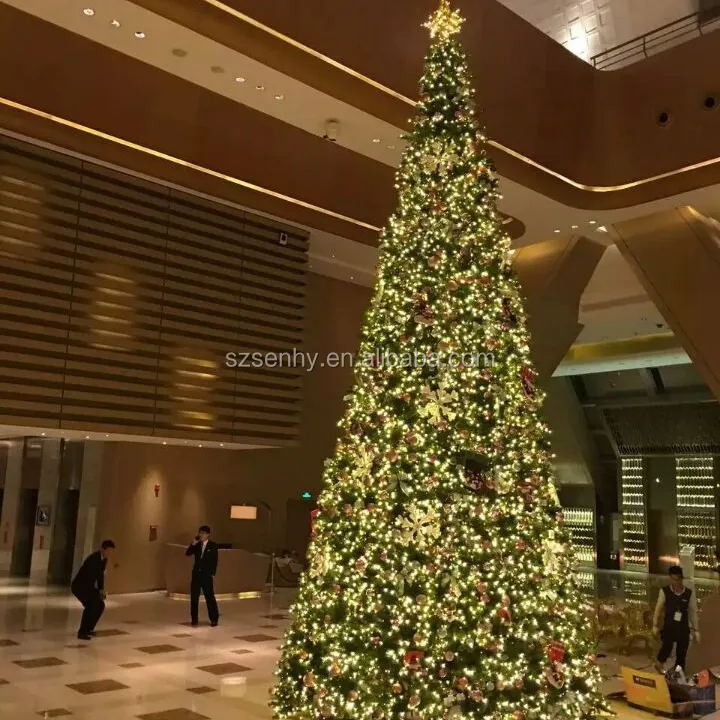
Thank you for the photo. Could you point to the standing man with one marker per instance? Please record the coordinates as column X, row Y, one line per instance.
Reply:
column 675, row 619
column 205, row 552
column 89, row 588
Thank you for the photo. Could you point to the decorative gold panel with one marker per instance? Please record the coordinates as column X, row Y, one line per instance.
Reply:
column 119, row 299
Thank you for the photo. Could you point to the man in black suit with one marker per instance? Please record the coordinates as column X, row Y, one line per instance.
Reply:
column 89, row 588
column 205, row 553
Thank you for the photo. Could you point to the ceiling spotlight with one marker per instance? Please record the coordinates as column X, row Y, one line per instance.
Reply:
column 557, row 230
column 279, row 97
column 239, row 79
column 376, row 140
column 574, row 227
column 89, row 12
column 593, row 222
column 140, row 35
column 602, row 228
column 115, row 23
column 259, row 87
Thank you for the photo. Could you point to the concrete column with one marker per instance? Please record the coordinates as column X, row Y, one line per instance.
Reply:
column 554, row 275
column 11, row 503
column 86, row 538
column 48, row 497
column 676, row 256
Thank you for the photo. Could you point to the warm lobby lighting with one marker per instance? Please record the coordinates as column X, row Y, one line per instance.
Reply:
column 89, row 12
column 593, row 222
column 243, row 512
column 279, row 97
column 115, row 23
column 139, row 34
column 376, row 140
column 239, row 79
column 259, row 87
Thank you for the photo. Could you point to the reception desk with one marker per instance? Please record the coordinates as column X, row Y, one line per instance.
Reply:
column 240, row 573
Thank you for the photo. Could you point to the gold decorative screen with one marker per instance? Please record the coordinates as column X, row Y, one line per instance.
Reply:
column 120, row 298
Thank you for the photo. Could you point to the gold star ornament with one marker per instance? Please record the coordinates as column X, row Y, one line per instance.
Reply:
column 444, row 22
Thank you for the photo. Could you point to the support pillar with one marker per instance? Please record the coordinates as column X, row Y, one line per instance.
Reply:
column 676, row 256
column 86, row 537
column 11, row 503
column 47, row 497
column 554, row 275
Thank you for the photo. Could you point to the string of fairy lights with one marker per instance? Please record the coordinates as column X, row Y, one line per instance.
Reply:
column 440, row 580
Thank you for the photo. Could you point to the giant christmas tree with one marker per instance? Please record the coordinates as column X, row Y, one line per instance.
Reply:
column 440, row 582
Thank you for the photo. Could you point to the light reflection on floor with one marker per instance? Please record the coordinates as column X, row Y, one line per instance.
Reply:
column 149, row 663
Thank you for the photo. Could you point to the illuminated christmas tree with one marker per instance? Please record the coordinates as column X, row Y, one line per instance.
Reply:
column 440, row 579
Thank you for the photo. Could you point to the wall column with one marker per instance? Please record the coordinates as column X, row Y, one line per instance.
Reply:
column 554, row 275
column 47, row 496
column 11, row 503
column 86, row 537
column 676, row 256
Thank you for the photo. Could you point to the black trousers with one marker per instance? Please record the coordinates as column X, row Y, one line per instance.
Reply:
column 94, row 608
column 203, row 582
column 680, row 637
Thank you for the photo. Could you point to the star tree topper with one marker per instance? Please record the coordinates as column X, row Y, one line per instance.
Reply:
column 444, row 22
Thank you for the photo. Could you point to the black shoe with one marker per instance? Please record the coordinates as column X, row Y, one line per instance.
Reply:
column 84, row 636
column 214, row 623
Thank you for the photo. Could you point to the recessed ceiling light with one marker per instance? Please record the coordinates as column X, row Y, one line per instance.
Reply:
column 279, row 97
column 89, row 12
column 391, row 147
column 217, row 69
column 239, row 79
column 593, row 222
column 115, row 23
column 179, row 52
column 259, row 87
column 556, row 230
column 139, row 34
column 376, row 140
column 602, row 228
column 574, row 227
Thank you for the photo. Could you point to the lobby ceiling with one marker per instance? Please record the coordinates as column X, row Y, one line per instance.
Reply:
column 589, row 27
column 133, row 30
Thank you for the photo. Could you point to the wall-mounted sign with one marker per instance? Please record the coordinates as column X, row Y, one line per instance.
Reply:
column 243, row 512
column 42, row 516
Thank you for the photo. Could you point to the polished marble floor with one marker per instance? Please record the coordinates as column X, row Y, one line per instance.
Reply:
column 145, row 662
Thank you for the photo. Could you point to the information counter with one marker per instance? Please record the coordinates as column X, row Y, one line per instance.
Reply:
column 240, row 574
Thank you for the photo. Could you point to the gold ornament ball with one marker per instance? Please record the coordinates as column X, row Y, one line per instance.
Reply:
column 326, row 711
column 397, row 688
column 421, row 599
column 335, row 670
column 449, row 655
column 309, row 680
column 462, row 683
column 352, row 696
column 414, row 700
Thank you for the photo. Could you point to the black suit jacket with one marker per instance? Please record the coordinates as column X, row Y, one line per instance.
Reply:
column 91, row 575
column 204, row 563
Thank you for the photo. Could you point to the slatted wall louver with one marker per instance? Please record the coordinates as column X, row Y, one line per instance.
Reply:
column 121, row 297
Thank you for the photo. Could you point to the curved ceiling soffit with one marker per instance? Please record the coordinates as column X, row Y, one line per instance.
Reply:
column 566, row 190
